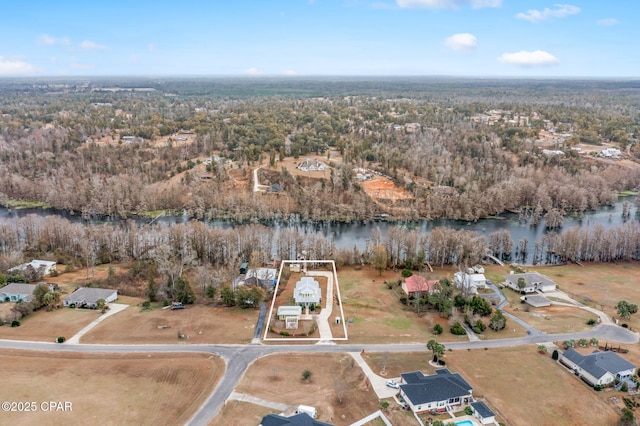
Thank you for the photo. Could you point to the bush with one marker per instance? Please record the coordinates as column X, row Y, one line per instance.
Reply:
column 442, row 362
column 285, row 333
column 554, row 355
column 403, row 300
column 61, row 339
column 468, row 411
column 458, row 329
column 625, row 325
column 406, row 273
column 624, row 387
column 591, row 321
column 437, row 329
column 15, row 323
column 384, row 405
column 597, row 388
column 165, row 302
column 146, row 304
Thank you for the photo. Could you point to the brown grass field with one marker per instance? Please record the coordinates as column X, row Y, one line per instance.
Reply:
column 47, row 326
column 278, row 378
column 238, row 413
column 553, row 319
column 200, row 324
column 526, row 388
column 509, row 379
column 601, row 285
column 106, row 389
column 375, row 315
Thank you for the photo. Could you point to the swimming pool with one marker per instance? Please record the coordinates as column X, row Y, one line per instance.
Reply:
column 465, row 423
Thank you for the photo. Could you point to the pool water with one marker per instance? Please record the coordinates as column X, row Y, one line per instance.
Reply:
column 465, row 423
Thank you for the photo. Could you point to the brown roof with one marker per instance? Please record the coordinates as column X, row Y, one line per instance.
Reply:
column 417, row 283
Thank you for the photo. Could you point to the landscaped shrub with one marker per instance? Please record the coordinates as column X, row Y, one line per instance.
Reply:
column 554, row 355
column 591, row 321
column 384, row 405
column 597, row 388
column 146, row 304
column 468, row 411
column 403, row 300
column 285, row 333
column 437, row 329
column 15, row 323
column 625, row 325
column 624, row 387
column 442, row 362
column 61, row 339
column 406, row 273
column 458, row 329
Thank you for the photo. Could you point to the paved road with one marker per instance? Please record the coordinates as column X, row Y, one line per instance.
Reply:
column 239, row 357
column 260, row 323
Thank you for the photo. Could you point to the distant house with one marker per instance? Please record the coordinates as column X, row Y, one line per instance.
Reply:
column 310, row 165
column 301, row 419
column 264, row 277
column 598, row 368
column 46, row 266
column 470, row 281
column 128, row 139
column 610, row 152
column 17, row 292
column 415, row 285
column 533, row 282
column 307, row 291
column 440, row 392
column 87, row 297
column 483, row 413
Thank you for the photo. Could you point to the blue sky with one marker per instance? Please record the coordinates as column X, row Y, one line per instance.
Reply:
column 593, row 38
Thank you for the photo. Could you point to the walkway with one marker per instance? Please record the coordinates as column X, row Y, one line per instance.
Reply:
column 377, row 415
column 258, row 401
column 114, row 308
column 323, row 318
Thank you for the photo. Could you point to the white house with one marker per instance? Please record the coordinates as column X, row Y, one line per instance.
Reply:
column 307, row 291
column 469, row 281
column 265, row 277
column 87, row 297
column 598, row 368
column 46, row 266
column 533, row 282
column 610, row 152
column 310, row 165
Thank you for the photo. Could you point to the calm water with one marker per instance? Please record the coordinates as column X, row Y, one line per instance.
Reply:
column 348, row 235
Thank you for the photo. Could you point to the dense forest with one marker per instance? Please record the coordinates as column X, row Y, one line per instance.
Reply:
column 61, row 144
column 460, row 149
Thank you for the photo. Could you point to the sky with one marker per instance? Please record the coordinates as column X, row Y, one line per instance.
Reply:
column 484, row 38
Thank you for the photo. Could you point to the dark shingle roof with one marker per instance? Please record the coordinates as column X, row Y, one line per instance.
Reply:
column 598, row 363
column 438, row 387
column 482, row 409
column 302, row 419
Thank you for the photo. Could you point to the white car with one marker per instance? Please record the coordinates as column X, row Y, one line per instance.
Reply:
column 393, row 384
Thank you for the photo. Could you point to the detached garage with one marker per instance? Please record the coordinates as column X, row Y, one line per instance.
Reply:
column 87, row 297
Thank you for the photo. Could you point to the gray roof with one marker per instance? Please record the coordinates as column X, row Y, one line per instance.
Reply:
column 302, row 419
column 438, row 387
column 18, row 288
column 89, row 295
column 530, row 278
column 482, row 409
column 598, row 363
column 536, row 300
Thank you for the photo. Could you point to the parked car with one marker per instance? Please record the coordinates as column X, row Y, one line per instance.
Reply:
column 177, row 306
column 393, row 384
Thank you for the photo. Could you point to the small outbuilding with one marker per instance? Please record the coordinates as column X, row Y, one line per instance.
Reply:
column 483, row 413
column 87, row 297
column 536, row 301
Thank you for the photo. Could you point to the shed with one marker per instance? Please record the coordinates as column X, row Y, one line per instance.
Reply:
column 483, row 413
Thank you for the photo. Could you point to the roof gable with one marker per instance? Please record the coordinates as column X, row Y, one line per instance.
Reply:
column 416, row 283
column 598, row 363
column 438, row 387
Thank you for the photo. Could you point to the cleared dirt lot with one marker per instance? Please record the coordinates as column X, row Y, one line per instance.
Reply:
column 379, row 188
column 200, row 324
column 47, row 326
column 278, row 378
column 141, row 389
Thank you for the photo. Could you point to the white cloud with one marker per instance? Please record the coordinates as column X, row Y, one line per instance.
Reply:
column 529, row 59
column 448, row 4
column 47, row 40
column 560, row 11
column 252, row 71
column 151, row 47
column 15, row 67
column 89, row 45
column 462, row 42
column 290, row 73
column 608, row 22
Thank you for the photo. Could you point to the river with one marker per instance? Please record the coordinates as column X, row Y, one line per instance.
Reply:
column 348, row 235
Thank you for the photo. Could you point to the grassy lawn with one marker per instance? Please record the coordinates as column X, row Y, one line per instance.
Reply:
column 240, row 413
column 47, row 326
